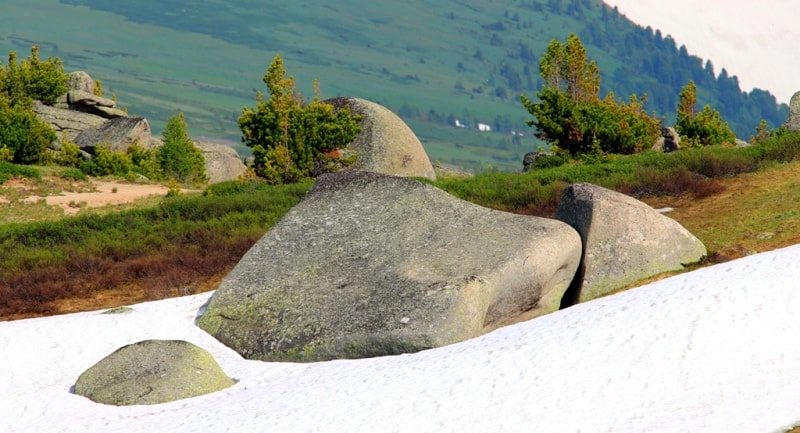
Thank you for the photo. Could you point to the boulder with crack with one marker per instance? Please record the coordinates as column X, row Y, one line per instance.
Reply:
column 118, row 134
column 369, row 265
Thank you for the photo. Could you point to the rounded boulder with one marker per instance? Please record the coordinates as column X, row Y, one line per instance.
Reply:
column 152, row 372
column 386, row 144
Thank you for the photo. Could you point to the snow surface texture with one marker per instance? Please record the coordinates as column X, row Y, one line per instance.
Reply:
column 755, row 40
column 715, row 350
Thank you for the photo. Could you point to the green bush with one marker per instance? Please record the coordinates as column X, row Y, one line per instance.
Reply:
column 706, row 128
column 145, row 162
column 290, row 138
column 107, row 162
column 33, row 78
column 22, row 133
column 178, row 157
column 9, row 170
column 69, row 155
column 571, row 116
column 72, row 173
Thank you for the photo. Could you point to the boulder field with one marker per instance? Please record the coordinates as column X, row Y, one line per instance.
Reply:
column 370, row 265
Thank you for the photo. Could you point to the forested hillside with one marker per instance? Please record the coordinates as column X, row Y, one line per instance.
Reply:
column 433, row 62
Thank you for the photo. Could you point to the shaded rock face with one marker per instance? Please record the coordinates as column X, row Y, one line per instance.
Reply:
column 152, row 372
column 385, row 144
column 222, row 162
column 370, row 265
column 119, row 134
column 530, row 158
column 68, row 123
column 793, row 122
column 624, row 240
column 669, row 141
column 89, row 103
column 81, row 81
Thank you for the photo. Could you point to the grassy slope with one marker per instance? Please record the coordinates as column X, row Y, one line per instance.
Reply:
column 395, row 53
column 181, row 245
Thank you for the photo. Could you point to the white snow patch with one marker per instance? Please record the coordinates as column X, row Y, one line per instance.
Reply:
column 715, row 350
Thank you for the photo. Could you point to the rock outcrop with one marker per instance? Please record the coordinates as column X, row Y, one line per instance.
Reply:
column 222, row 162
column 385, row 144
column 669, row 141
column 118, row 134
column 81, row 81
column 90, row 103
column 68, row 123
column 369, row 265
column 793, row 122
column 624, row 240
column 152, row 372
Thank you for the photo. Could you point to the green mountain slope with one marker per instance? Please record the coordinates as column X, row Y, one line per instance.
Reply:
column 431, row 61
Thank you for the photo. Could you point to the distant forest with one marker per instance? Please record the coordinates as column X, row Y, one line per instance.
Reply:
column 433, row 62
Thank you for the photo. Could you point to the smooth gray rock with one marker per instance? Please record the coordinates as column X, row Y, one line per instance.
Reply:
column 79, row 97
column 118, row 134
column 369, row 265
column 152, row 372
column 624, row 240
column 793, row 122
column 81, row 81
column 68, row 123
column 385, row 144
column 222, row 162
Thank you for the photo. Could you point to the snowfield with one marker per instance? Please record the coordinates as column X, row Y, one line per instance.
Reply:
column 715, row 350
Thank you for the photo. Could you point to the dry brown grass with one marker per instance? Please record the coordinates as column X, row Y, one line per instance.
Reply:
column 92, row 283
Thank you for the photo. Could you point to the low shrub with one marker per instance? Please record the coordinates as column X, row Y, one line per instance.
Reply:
column 689, row 171
column 163, row 248
column 71, row 173
column 9, row 170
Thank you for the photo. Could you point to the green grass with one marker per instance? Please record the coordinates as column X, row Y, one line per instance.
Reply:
column 648, row 173
column 211, row 219
column 9, row 170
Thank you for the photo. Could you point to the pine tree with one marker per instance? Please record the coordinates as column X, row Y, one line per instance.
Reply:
column 178, row 157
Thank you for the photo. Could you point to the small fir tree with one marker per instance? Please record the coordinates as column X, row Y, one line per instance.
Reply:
column 178, row 157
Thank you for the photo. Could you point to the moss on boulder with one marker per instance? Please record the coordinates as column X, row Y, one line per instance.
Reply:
column 152, row 372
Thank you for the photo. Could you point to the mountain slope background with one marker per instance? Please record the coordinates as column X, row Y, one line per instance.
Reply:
column 431, row 61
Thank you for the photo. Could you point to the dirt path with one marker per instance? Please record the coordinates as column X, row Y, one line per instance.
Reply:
column 107, row 193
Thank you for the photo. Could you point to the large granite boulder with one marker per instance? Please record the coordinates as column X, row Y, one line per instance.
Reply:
column 793, row 122
column 369, row 265
column 624, row 240
column 68, row 123
column 81, row 81
column 222, row 162
column 152, row 372
column 118, row 134
column 385, row 144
